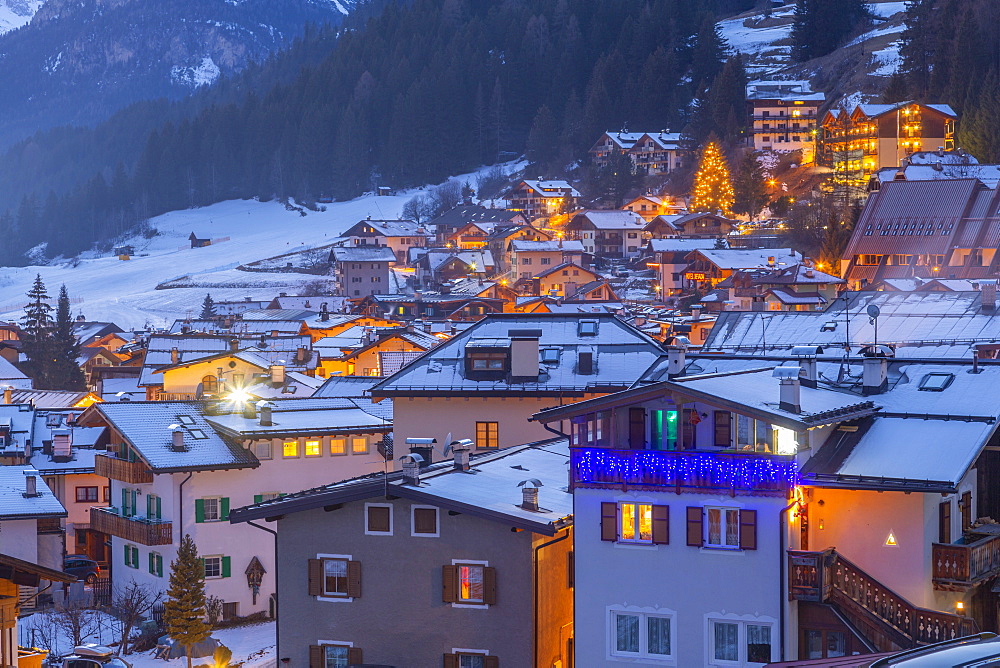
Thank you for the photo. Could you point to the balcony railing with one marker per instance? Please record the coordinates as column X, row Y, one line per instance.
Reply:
column 883, row 616
column 122, row 470
column 134, row 529
column 699, row 472
column 961, row 566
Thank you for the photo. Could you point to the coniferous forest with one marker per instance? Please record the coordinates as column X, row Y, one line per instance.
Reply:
column 410, row 95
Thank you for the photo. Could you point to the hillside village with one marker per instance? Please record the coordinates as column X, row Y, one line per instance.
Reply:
column 530, row 416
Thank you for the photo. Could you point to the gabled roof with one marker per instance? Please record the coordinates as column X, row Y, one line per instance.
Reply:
column 363, row 254
column 680, row 245
column 795, row 298
column 470, row 213
column 566, row 246
column 25, row 573
column 489, row 490
column 564, row 265
column 875, row 110
column 551, row 188
column 665, row 141
column 147, row 428
column 614, row 219
column 386, row 228
column 731, row 259
column 346, row 386
column 481, row 257
column 304, row 416
column 52, row 398
column 14, row 505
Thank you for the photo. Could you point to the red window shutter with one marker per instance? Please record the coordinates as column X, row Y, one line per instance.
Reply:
column 489, row 585
column 450, row 661
column 449, row 584
column 661, row 525
column 491, row 662
column 748, row 529
column 354, row 655
column 609, row 521
column 695, row 530
column 317, row 657
column 354, row 579
column 315, row 577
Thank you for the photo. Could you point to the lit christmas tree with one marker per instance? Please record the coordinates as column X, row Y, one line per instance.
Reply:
column 713, row 189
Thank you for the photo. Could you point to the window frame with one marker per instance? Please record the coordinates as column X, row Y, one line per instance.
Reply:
column 636, row 523
column 644, row 614
column 285, row 442
column 319, row 447
column 370, row 532
column 413, row 522
column 204, row 509
column 466, row 602
column 742, row 624
column 205, row 559
column 354, row 445
column 331, row 643
column 723, row 527
column 342, row 441
column 335, row 595
column 89, row 491
column 488, row 437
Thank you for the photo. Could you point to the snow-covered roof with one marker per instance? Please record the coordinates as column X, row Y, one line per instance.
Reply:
column 492, row 490
column 665, row 141
column 609, row 220
column 48, row 398
column 872, row 110
column 551, row 188
column 387, row 228
column 943, row 157
column 363, row 254
column 10, row 375
column 480, row 257
column 783, row 90
column 346, row 386
column 14, row 505
column 680, row 245
column 988, row 174
column 127, row 388
column 19, row 421
column 791, row 297
column 304, row 416
column 623, row 140
column 620, row 353
column 147, row 427
column 567, row 246
column 750, row 259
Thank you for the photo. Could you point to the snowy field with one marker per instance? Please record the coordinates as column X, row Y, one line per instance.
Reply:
column 124, row 292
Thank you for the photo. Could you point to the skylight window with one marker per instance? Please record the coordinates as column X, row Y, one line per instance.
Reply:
column 936, row 382
column 587, row 328
column 550, row 355
column 198, row 434
column 185, row 419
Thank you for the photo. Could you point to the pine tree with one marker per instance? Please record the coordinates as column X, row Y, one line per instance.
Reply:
column 65, row 372
column 184, row 610
column 208, row 308
column 749, row 187
column 713, row 189
column 36, row 340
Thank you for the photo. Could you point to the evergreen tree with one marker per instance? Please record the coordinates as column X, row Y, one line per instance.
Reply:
column 65, row 372
column 749, row 187
column 820, row 26
column 36, row 337
column 208, row 308
column 543, row 140
column 184, row 610
column 713, row 189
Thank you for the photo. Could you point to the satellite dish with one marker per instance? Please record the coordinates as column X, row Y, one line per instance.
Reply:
column 873, row 311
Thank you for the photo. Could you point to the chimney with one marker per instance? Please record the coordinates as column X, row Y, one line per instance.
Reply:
column 524, row 352
column 529, row 493
column 277, row 374
column 807, row 362
column 789, row 388
column 676, row 360
column 302, row 355
column 585, row 361
column 30, row 483
column 62, row 446
column 324, row 315
column 249, row 410
column 234, row 345
column 875, row 375
column 175, row 356
column 988, row 296
column 265, row 414
column 411, row 468
column 8, row 394
column 462, row 450
column 177, row 442
column 770, row 261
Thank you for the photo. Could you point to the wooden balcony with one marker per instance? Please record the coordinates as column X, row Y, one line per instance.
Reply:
column 684, row 471
column 122, row 470
column 888, row 620
column 961, row 566
column 133, row 529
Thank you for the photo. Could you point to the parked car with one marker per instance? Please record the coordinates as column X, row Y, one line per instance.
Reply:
column 83, row 567
column 979, row 651
column 93, row 656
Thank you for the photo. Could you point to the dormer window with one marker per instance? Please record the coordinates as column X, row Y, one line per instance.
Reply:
column 587, row 328
column 488, row 361
column 487, row 358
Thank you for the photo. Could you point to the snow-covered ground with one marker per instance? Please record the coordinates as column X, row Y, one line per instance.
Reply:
column 124, row 292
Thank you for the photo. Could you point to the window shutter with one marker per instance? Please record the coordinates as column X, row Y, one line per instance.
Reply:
column 490, row 585
column 748, row 529
column 450, row 661
column 159, row 509
column 134, row 505
column 199, row 510
column 224, row 507
column 449, row 584
column 609, row 521
column 124, row 503
column 661, row 525
column 944, row 522
column 723, row 428
column 491, row 662
column 353, row 579
column 571, row 569
column 149, row 505
column 226, row 567
column 128, row 555
column 159, row 565
column 317, row 658
column 354, row 656
column 315, row 570
column 257, row 498
column 695, row 531
column 152, row 563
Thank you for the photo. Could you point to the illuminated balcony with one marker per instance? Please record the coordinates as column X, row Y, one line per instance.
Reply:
column 684, row 471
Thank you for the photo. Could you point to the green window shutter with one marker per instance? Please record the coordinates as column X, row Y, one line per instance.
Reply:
column 124, row 503
column 199, row 510
column 226, row 572
column 257, row 498
column 152, row 563
column 159, row 565
column 128, row 555
column 224, row 507
column 134, row 508
column 149, row 508
column 159, row 514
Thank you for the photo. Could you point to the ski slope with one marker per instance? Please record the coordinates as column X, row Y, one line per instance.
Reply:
column 124, row 292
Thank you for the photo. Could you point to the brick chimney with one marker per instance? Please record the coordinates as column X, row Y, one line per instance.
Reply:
column 265, row 413
column 30, row 483
column 462, row 451
column 529, row 493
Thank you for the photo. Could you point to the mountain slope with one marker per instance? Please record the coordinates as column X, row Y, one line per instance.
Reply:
column 16, row 13
column 78, row 61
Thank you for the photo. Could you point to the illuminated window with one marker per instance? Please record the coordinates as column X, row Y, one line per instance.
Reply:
column 487, row 435
column 338, row 446
column 636, row 523
column 290, row 448
column 723, row 527
column 359, row 446
column 209, row 384
column 313, row 448
column 470, row 583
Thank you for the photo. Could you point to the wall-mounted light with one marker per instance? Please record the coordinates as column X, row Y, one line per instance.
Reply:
column 821, row 524
column 960, row 607
column 890, row 540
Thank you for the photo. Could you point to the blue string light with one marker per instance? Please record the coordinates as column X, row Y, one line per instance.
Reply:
column 670, row 469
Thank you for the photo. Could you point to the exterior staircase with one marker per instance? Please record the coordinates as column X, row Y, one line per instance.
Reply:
column 885, row 619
